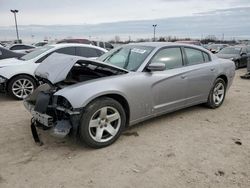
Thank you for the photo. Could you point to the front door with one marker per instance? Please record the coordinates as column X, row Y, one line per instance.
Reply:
column 169, row 86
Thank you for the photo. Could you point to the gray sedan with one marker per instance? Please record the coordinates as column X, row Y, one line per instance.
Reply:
column 97, row 99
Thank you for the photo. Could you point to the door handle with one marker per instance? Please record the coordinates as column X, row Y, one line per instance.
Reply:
column 212, row 69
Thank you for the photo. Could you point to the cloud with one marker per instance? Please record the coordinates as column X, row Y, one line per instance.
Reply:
column 233, row 23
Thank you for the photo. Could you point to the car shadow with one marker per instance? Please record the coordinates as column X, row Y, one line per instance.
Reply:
column 4, row 97
column 74, row 144
column 165, row 117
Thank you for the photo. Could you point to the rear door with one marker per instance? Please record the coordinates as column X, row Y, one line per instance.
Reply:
column 200, row 74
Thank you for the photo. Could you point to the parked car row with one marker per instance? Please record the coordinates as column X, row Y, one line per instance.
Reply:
column 97, row 99
column 240, row 54
column 17, row 74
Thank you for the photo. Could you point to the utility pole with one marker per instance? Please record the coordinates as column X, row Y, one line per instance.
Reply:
column 14, row 12
column 155, row 25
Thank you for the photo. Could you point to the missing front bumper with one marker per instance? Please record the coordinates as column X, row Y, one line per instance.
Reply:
column 56, row 128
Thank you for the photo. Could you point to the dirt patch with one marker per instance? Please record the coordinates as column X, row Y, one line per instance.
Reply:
column 194, row 147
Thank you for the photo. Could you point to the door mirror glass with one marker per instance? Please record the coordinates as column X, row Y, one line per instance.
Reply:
column 156, row 67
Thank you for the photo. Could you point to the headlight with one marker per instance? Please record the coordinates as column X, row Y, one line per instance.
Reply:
column 2, row 79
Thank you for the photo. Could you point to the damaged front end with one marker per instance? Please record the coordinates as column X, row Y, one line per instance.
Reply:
column 51, row 112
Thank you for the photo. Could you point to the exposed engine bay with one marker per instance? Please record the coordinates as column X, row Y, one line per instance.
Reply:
column 83, row 71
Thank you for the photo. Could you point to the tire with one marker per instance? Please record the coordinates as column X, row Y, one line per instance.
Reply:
column 217, row 94
column 16, row 90
column 94, row 128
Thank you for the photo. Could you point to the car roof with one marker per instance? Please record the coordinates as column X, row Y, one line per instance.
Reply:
column 75, row 45
column 166, row 44
column 22, row 44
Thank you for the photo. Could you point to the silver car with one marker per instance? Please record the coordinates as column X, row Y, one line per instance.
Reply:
column 97, row 99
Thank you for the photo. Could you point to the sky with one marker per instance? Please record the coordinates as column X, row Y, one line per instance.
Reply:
column 118, row 13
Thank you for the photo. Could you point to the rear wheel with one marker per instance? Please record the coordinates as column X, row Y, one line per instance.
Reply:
column 21, row 86
column 102, row 122
column 217, row 94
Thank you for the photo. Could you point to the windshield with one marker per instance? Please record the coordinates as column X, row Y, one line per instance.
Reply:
column 35, row 53
column 230, row 50
column 128, row 57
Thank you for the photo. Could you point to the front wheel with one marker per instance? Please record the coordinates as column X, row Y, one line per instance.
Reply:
column 102, row 122
column 217, row 94
column 21, row 86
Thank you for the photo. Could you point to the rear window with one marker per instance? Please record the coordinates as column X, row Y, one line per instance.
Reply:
column 17, row 47
column 87, row 52
column 194, row 56
column 67, row 50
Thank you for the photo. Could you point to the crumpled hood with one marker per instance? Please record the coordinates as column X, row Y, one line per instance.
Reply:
column 10, row 62
column 56, row 67
column 227, row 56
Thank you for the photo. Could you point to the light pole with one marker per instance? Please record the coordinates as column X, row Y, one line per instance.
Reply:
column 155, row 25
column 14, row 12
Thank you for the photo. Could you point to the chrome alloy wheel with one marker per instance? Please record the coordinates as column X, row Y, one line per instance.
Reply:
column 104, row 124
column 22, row 88
column 218, row 93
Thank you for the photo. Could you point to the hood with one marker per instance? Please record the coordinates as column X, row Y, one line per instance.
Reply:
column 56, row 67
column 10, row 62
column 227, row 56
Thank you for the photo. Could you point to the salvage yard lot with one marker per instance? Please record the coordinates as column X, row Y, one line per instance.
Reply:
column 194, row 147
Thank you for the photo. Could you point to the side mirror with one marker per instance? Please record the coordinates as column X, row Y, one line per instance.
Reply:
column 156, row 67
column 243, row 54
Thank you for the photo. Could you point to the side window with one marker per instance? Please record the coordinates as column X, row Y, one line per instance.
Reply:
column 86, row 52
column 101, row 44
column 108, row 45
column 206, row 57
column 171, row 57
column 99, row 52
column 67, row 50
column 17, row 47
column 28, row 47
column 194, row 56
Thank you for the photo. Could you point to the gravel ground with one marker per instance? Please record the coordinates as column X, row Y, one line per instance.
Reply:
column 194, row 147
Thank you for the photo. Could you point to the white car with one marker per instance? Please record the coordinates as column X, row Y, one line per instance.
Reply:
column 17, row 75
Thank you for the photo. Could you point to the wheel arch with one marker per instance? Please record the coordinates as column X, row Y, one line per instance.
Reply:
column 22, row 74
column 223, row 77
column 119, row 98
